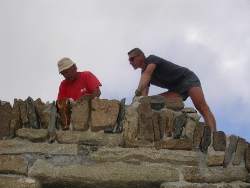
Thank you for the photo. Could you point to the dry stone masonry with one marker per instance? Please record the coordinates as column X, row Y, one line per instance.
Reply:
column 153, row 142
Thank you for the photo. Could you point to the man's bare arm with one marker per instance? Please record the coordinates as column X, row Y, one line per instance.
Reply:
column 145, row 79
column 96, row 92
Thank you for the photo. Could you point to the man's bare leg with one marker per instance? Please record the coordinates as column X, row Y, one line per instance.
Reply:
column 197, row 96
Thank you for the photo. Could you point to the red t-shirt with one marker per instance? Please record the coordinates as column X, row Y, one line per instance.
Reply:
column 84, row 84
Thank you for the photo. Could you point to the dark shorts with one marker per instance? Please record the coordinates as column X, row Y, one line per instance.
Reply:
column 188, row 82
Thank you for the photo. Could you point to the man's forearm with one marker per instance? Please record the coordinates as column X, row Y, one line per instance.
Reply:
column 145, row 79
column 96, row 92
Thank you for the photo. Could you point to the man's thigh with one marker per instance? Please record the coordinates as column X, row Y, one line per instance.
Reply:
column 169, row 95
column 197, row 96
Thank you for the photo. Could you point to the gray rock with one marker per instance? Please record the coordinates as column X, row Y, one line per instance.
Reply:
column 119, row 127
column 175, row 104
column 42, row 112
column 163, row 119
column 137, row 100
column 80, row 115
column 32, row 114
column 147, row 155
column 97, row 138
column 189, row 128
column 24, row 114
column 214, row 158
column 156, row 127
column 194, row 116
column 130, row 123
column 174, row 144
column 166, row 122
column 205, row 139
column 138, row 144
column 13, row 181
column 188, row 110
column 144, row 100
column 53, row 120
column 17, row 147
column 239, row 152
column 230, row 150
column 219, row 141
column 5, row 118
column 214, row 175
column 15, row 122
column 179, row 123
column 104, row 114
column 146, row 129
column 204, row 185
column 198, row 133
column 103, row 175
column 247, row 157
column 33, row 135
column 13, row 164
column 157, row 102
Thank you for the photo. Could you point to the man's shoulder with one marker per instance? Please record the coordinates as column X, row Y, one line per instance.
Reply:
column 85, row 73
column 152, row 58
column 64, row 83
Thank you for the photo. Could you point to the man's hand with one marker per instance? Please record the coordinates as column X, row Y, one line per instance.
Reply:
column 137, row 92
column 72, row 102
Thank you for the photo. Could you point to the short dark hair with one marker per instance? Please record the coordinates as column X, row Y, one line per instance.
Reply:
column 137, row 51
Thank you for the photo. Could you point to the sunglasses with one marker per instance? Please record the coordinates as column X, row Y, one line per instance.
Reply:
column 133, row 58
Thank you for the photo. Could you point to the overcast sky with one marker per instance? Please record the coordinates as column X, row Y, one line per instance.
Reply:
column 211, row 38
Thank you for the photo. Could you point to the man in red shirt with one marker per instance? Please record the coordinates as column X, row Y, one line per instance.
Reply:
column 76, row 84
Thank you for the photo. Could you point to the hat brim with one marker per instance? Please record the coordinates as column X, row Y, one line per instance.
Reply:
column 65, row 67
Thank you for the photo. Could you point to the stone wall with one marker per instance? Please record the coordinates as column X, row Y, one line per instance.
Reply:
column 151, row 143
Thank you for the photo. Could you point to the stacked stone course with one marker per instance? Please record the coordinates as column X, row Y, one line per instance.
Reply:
column 151, row 143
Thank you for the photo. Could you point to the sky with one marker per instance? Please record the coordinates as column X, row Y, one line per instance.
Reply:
column 211, row 38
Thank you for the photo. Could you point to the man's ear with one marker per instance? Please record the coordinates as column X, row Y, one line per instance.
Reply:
column 75, row 67
column 142, row 58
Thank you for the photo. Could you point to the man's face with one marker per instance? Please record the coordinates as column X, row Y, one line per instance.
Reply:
column 134, row 60
column 70, row 74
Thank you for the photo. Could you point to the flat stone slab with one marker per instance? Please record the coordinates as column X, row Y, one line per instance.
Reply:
column 34, row 135
column 203, row 185
column 215, row 175
column 12, row 181
column 214, row 158
column 13, row 164
column 145, row 155
column 174, row 144
column 16, row 146
column 98, row 138
column 103, row 175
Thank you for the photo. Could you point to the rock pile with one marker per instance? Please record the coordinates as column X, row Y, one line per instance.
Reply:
column 151, row 143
